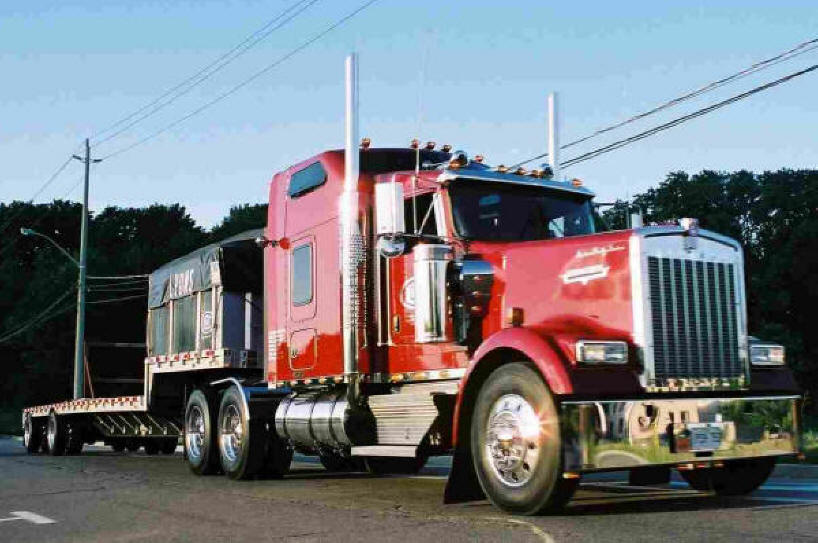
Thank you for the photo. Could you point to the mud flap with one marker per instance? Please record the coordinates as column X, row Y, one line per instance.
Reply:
column 462, row 485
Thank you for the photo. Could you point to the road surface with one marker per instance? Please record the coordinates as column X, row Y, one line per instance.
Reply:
column 107, row 496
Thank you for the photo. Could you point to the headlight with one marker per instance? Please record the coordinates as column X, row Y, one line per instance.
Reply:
column 602, row 352
column 767, row 355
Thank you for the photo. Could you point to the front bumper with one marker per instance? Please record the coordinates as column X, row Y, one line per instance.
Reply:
column 621, row 434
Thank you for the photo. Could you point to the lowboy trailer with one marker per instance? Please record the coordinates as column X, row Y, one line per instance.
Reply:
column 404, row 303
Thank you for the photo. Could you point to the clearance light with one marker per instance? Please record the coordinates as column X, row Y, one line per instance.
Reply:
column 576, row 182
column 365, row 143
column 520, row 171
column 502, row 168
column 430, row 145
column 767, row 355
column 414, row 144
column 478, row 159
column 602, row 352
column 536, row 173
column 459, row 160
column 446, row 148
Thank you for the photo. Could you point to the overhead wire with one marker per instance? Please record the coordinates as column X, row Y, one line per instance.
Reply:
column 698, row 113
column 41, row 317
column 799, row 49
column 203, row 74
column 122, row 299
column 245, row 82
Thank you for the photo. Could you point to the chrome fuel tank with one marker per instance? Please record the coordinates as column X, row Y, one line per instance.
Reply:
column 313, row 420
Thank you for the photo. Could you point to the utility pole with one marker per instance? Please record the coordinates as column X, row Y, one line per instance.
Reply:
column 553, row 135
column 79, row 344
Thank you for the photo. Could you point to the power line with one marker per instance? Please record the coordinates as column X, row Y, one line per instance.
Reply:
column 41, row 317
column 244, row 83
column 799, row 49
column 42, row 188
column 114, row 277
column 680, row 120
column 204, row 74
column 122, row 299
column 117, row 289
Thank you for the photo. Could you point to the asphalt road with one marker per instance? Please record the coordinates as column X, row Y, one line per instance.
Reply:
column 106, row 496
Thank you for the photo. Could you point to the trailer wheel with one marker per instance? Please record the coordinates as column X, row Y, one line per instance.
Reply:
column 55, row 435
column 169, row 445
column 516, row 442
column 201, row 450
column 736, row 478
column 242, row 441
column 32, row 434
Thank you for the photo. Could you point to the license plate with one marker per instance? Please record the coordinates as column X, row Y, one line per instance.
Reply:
column 705, row 436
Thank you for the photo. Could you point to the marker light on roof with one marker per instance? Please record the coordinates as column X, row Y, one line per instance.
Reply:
column 446, row 148
column 520, row 171
column 577, row 182
column 502, row 168
column 536, row 173
column 365, row 143
column 414, row 144
column 478, row 159
column 430, row 145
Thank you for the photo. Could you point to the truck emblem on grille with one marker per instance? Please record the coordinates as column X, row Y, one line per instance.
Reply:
column 586, row 274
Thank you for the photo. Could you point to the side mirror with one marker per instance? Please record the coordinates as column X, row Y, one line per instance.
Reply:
column 389, row 219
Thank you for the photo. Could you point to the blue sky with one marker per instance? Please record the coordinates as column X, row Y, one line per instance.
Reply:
column 472, row 74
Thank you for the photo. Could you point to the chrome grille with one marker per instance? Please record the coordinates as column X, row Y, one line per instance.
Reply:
column 694, row 319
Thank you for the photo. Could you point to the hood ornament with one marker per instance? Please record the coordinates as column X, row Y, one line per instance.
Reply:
column 691, row 233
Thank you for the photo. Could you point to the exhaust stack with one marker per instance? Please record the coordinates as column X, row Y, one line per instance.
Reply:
column 352, row 241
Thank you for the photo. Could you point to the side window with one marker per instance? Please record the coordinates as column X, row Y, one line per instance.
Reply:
column 424, row 206
column 302, row 274
column 306, row 180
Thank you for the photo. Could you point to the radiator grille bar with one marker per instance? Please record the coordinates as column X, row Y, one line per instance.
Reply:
column 694, row 319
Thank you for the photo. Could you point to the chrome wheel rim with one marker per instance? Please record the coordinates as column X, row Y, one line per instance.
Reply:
column 194, row 432
column 231, row 432
column 52, row 432
column 513, row 440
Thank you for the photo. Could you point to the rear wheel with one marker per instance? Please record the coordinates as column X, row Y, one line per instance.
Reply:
column 201, row 450
column 32, row 434
column 516, row 443
column 242, row 441
column 55, row 435
column 737, row 477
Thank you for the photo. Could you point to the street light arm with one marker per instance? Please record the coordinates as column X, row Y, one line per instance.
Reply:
column 30, row 232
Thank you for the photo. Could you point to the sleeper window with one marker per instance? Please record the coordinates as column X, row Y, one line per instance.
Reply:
column 302, row 275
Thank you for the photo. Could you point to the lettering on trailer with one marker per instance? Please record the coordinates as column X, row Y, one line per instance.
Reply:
column 181, row 284
column 33, row 518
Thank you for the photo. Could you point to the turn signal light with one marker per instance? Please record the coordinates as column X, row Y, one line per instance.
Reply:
column 602, row 352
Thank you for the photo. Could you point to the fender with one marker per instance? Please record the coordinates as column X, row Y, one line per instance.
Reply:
column 529, row 343
column 462, row 484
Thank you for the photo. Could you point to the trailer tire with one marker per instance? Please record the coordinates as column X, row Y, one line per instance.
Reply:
column 201, row 449
column 55, row 434
column 241, row 440
column 32, row 434
column 736, row 478
column 517, row 444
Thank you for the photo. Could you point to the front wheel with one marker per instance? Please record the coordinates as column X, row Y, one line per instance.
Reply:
column 735, row 478
column 516, row 443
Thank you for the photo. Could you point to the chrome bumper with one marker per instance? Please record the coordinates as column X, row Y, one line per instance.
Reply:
column 620, row 434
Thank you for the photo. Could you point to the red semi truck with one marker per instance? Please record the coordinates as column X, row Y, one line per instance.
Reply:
column 409, row 302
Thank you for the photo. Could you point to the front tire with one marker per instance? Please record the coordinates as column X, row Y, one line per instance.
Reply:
column 516, row 443
column 55, row 435
column 736, row 478
column 201, row 450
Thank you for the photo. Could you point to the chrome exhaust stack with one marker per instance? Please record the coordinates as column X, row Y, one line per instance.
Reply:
column 352, row 241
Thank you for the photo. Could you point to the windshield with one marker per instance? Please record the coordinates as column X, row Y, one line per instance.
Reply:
column 488, row 211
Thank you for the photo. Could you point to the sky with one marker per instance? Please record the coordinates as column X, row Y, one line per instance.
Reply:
column 472, row 74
